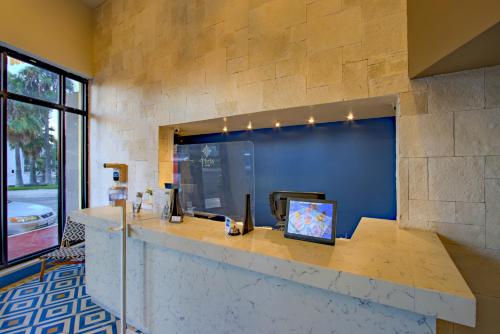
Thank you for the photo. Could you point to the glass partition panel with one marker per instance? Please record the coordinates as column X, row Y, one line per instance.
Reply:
column 215, row 177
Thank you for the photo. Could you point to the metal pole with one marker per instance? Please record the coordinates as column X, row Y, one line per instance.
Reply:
column 124, row 270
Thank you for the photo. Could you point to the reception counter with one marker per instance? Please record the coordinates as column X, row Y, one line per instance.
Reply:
column 191, row 278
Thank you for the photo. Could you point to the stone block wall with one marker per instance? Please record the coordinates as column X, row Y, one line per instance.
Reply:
column 161, row 62
column 449, row 176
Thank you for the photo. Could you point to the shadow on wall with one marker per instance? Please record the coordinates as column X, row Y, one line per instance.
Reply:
column 481, row 270
column 352, row 162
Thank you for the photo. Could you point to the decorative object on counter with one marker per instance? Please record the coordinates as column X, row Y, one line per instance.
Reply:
column 248, row 222
column 176, row 212
column 166, row 211
column 231, row 228
column 118, row 194
column 136, row 206
column 311, row 220
column 147, row 200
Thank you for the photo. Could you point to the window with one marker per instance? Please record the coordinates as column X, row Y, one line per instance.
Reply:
column 44, row 150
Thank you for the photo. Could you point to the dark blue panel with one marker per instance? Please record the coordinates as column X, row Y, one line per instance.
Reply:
column 352, row 162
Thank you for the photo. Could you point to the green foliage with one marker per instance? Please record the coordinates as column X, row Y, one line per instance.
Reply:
column 29, row 125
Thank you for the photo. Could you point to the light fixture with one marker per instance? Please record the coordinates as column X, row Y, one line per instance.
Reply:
column 277, row 124
column 310, row 120
column 224, row 129
column 350, row 116
column 249, row 126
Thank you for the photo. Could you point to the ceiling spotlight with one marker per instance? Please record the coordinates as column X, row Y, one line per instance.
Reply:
column 224, row 129
column 249, row 126
column 277, row 124
column 350, row 116
column 310, row 120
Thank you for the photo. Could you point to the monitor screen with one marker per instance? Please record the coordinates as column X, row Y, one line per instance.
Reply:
column 311, row 220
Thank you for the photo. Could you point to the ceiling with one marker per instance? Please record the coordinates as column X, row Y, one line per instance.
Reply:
column 382, row 106
column 92, row 3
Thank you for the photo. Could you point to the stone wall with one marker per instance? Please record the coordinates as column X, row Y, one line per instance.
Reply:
column 449, row 175
column 161, row 62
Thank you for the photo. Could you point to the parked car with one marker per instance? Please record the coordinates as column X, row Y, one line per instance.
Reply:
column 24, row 217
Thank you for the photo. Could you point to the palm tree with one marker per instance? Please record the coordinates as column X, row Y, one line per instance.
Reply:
column 28, row 125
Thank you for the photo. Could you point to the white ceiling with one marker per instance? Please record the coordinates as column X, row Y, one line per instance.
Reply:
column 373, row 107
column 92, row 3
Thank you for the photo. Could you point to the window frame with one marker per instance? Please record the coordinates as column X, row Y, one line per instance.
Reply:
column 62, row 109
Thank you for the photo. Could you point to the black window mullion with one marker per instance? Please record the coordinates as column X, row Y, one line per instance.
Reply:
column 3, row 163
column 62, row 158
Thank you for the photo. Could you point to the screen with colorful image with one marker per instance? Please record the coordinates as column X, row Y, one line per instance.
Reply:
column 313, row 219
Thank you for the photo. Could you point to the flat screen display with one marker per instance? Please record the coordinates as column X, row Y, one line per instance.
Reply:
column 311, row 220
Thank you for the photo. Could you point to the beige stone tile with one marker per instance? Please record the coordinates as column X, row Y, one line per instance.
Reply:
column 402, row 187
column 456, row 179
column 470, row 213
column 426, row 135
column 486, row 317
column 492, row 167
column 413, row 103
column 384, row 36
column 298, row 32
column 276, row 15
column 461, row 234
column 477, row 132
column 296, row 63
column 284, row 92
column 418, row 177
column 493, row 213
column 355, row 80
column 376, row 9
column 324, row 94
column 324, row 68
column 322, row 8
column 434, row 211
column 268, row 48
column 250, row 97
column 237, row 44
column 236, row 15
column 492, row 86
column 392, row 84
column 456, row 91
column 353, row 53
column 200, row 106
column 256, row 74
column 335, row 30
column 237, row 64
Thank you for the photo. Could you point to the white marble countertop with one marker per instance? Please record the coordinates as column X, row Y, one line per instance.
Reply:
column 406, row 269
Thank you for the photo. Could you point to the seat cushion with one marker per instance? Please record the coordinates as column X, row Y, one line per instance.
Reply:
column 66, row 254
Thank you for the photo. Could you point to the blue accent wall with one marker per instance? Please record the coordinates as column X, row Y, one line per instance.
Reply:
column 354, row 163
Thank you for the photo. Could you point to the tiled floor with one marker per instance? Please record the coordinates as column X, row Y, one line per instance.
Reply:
column 58, row 305
column 31, row 242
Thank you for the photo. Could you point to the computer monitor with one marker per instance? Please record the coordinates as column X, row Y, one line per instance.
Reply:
column 278, row 202
column 311, row 220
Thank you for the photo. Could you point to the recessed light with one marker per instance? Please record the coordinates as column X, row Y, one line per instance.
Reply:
column 277, row 124
column 350, row 116
column 249, row 126
column 310, row 120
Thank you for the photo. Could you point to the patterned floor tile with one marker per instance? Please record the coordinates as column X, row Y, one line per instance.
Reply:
column 57, row 305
